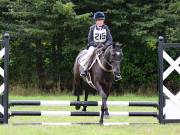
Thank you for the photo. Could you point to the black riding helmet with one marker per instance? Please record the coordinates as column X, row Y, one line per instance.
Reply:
column 99, row 16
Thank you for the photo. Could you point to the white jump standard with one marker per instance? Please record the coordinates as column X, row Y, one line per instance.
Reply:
column 169, row 104
column 4, row 55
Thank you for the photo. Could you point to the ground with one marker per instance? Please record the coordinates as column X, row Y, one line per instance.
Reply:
column 139, row 129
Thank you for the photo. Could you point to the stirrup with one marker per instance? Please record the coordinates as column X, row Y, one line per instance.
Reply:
column 83, row 74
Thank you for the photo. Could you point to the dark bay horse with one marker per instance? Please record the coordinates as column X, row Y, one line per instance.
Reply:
column 102, row 74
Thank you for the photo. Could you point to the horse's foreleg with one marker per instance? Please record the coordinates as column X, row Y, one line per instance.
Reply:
column 104, row 105
column 85, row 99
column 103, row 109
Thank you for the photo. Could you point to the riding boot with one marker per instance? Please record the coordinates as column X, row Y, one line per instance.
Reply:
column 117, row 77
column 83, row 72
column 86, row 69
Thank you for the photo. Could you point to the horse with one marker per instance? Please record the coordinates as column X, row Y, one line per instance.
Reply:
column 107, row 63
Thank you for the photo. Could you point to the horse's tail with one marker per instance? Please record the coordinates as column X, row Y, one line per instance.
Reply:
column 77, row 81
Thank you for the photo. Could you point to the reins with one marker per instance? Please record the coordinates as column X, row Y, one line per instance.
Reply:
column 102, row 66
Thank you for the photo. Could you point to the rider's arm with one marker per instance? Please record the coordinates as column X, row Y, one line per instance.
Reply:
column 90, row 37
column 109, row 39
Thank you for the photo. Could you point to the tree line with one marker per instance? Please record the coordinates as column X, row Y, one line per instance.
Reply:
column 46, row 36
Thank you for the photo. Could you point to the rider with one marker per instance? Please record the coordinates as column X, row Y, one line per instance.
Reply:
column 98, row 33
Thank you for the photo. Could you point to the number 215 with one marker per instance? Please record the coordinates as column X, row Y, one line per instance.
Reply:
column 99, row 36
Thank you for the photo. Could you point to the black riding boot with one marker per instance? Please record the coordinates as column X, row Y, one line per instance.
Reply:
column 117, row 77
column 83, row 73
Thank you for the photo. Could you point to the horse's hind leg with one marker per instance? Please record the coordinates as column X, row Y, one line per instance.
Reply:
column 85, row 99
column 78, row 107
column 77, row 91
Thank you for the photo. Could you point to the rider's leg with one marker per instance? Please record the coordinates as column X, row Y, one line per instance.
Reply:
column 87, row 56
column 117, row 76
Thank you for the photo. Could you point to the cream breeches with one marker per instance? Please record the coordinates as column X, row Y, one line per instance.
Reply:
column 85, row 59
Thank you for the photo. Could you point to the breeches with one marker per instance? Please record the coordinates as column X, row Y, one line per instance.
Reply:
column 86, row 57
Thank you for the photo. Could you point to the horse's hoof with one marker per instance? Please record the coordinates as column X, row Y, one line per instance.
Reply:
column 84, row 110
column 106, row 116
column 100, row 123
column 77, row 107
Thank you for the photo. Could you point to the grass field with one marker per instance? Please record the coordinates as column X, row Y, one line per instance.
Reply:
column 139, row 129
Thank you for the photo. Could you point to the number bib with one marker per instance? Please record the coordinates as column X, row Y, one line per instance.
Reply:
column 99, row 35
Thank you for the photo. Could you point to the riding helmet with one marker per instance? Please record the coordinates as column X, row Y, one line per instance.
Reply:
column 99, row 16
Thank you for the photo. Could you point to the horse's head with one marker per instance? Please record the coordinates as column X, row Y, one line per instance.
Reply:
column 113, row 55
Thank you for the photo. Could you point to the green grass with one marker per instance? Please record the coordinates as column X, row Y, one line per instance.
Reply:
column 146, row 129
